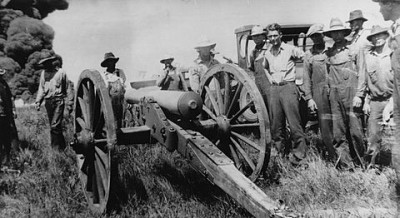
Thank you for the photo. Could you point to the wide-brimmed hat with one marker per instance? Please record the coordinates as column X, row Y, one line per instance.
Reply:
column 315, row 28
column 47, row 60
column 257, row 30
column 205, row 43
column 109, row 57
column 337, row 25
column 376, row 29
column 167, row 58
column 356, row 15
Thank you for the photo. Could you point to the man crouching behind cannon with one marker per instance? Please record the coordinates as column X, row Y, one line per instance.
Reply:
column 115, row 81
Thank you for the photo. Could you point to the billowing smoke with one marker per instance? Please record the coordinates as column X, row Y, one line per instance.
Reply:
column 24, row 40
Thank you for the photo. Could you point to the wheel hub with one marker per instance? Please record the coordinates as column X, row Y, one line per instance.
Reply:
column 224, row 126
column 83, row 142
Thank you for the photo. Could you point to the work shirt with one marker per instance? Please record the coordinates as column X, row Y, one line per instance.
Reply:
column 197, row 71
column 315, row 71
column 52, row 85
column 359, row 40
column 115, row 82
column 282, row 66
column 171, row 79
column 379, row 75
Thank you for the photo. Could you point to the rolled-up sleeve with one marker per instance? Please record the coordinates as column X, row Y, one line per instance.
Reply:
column 194, row 79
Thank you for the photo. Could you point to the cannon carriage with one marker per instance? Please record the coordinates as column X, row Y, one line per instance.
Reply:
column 223, row 133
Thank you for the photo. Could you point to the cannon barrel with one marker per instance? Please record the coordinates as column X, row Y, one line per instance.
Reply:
column 185, row 104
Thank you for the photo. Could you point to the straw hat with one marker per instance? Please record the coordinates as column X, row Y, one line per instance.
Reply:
column 376, row 29
column 167, row 58
column 204, row 43
column 109, row 57
column 337, row 25
column 356, row 15
column 256, row 30
column 46, row 60
column 315, row 28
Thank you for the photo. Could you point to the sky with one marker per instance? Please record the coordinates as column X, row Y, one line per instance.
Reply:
column 141, row 32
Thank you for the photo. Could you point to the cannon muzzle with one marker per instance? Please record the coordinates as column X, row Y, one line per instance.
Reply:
column 185, row 104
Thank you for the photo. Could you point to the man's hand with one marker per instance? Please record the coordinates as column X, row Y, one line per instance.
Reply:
column 357, row 101
column 387, row 111
column 37, row 106
column 367, row 109
column 312, row 106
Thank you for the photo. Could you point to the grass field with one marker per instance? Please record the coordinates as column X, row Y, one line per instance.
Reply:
column 152, row 182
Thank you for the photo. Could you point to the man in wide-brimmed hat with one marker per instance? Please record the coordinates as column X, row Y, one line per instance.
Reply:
column 359, row 35
column 171, row 78
column 390, row 10
column 115, row 81
column 378, row 86
column 8, row 131
column 343, row 81
column 258, row 63
column 54, row 90
column 316, row 88
column 205, row 60
column 284, row 94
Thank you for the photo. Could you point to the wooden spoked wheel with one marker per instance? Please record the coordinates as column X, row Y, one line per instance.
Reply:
column 246, row 142
column 95, row 134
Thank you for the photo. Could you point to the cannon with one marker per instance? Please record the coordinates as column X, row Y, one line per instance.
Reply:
column 205, row 129
column 224, row 132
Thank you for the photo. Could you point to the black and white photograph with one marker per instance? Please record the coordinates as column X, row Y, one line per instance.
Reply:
column 200, row 108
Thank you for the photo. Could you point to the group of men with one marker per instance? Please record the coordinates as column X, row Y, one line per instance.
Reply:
column 340, row 82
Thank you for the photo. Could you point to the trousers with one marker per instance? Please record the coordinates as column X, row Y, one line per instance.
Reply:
column 284, row 105
column 347, row 128
column 55, row 113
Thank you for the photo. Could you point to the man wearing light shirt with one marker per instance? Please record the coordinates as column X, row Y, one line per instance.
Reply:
column 115, row 82
column 390, row 10
column 53, row 89
column 284, row 93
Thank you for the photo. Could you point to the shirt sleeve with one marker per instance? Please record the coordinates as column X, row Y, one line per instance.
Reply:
column 70, row 95
column 40, row 94
column 194, row 79
column 307, row 84
column 297, row 53
column 362, row 78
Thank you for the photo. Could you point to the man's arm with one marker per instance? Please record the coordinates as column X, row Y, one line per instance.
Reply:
column 40, row 94
column 194, row 79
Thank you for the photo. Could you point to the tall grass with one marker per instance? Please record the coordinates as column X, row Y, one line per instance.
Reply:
column 148, row 181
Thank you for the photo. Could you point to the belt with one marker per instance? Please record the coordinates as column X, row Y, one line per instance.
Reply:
column 282, row 83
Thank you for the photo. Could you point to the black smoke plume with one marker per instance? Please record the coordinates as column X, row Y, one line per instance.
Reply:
column 24, row 40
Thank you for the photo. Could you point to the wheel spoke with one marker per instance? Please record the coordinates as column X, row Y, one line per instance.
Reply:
column 90, row 101
column 212, row 99
column 102, row 165
column 234, row 99
column 243, row 153
column 99, row 182
column 235, row 156
column 246, row 140
column 241, row 111
column 84, row 109
column 209, row 112
column 227, row 91
column 245, row 125
column 81, row 123
column 219, row 95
